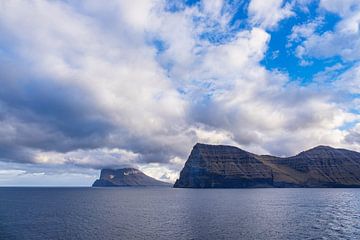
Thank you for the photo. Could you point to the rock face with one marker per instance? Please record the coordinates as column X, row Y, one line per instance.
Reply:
column 126, row 177
column 219, row 166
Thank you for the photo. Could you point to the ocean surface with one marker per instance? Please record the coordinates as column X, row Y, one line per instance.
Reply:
column 167, row 213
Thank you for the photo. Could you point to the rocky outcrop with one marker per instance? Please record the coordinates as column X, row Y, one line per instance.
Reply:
column 219, row 166
column 126, row 177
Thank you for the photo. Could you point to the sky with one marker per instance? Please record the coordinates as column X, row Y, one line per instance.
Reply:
column 91, row 84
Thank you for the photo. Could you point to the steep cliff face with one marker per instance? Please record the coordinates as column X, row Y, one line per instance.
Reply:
column 211, row 166
column 125, row 177
column 218, row 166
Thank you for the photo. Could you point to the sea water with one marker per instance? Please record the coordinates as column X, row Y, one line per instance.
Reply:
column 167, row 213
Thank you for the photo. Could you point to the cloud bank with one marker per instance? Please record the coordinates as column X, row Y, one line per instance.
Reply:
column 86, row 85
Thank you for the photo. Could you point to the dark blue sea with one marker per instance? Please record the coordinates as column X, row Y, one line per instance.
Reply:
column 166, row 213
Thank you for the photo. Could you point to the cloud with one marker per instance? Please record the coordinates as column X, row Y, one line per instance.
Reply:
column 349, row 80
column 19, row 174
column 86, row 86
column 304, row 31
column 343, row 8
column 13, row 178
column 267, row 14
column 343, row 41
column 354, row 135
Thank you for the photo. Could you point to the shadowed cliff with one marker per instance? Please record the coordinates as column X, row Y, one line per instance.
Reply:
column 126, row 177
column 219, row 166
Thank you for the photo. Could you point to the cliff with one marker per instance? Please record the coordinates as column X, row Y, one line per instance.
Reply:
column 219, row 166
column 126, row 177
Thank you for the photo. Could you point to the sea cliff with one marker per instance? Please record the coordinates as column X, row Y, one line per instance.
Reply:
column 126, row 177
column 220, row 166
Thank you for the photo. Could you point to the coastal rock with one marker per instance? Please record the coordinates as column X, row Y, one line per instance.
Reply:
column 126, row 177
column 220, row 166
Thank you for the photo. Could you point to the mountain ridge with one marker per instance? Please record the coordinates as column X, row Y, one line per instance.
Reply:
column 223, row 166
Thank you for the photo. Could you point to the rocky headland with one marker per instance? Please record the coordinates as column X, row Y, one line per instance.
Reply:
column 126, row 177
column 220, row 166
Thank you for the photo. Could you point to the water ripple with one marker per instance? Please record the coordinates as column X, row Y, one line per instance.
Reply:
column 165, row 213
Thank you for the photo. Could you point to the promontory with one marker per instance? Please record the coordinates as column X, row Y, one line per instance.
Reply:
column 220, row 166
column 126, row 177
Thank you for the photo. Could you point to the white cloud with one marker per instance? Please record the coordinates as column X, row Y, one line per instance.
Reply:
column 304, row 31
column 343, row 41
column 42, row 179
column 161, row 172
column 95, row 158
column 267, row 14
column 349, row 80
column 15, row 174
column 10, row 173
column 213, row 8
column 343, row 7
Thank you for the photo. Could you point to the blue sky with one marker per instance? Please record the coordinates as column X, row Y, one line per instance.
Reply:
column 86, row 85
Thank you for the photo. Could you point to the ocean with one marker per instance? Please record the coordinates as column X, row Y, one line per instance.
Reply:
column 167, row 213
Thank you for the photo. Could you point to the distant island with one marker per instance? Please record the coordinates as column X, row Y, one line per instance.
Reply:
column 126, row 177
column 219, row 166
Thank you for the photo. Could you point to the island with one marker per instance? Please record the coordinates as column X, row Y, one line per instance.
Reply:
column 221, row 166
column 127, row 177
